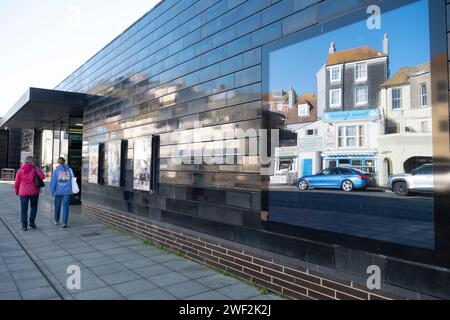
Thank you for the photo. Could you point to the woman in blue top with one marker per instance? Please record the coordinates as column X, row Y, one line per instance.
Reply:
column 61, row 190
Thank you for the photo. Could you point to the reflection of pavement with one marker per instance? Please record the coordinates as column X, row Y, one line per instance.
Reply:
column 374, row 215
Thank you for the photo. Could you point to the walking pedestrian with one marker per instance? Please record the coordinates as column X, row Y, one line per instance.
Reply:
column 29, row 180
column 61, row 190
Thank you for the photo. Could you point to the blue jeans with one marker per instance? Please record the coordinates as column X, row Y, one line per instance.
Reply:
column 65, row 202
column 33, row 201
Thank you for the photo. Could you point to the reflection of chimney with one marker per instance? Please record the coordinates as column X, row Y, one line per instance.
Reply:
column 332, row 48
column 386, row 44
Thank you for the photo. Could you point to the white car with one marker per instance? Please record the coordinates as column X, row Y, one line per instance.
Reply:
column 425, row 179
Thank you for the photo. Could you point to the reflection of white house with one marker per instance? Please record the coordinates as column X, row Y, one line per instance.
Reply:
column 311, row 141
column 339, row 139
column 351, row 139
column 298, row 111
column 405, row 102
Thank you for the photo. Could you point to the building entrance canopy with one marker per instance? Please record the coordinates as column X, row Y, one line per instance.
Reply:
column 39, row 107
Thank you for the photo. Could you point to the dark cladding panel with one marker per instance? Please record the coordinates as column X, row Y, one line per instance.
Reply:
column 3, row 148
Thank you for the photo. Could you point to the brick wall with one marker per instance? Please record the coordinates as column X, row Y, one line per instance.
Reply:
column 282, row 278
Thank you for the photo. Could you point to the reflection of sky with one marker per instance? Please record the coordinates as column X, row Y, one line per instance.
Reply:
column 408, row 30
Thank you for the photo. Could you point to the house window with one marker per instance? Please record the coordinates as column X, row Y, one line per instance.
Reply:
column 357, row 164
column 312, row 132
column 351, row 136
column 303, row 110
column 279, row 106
column 362, row 96
column 397, row 98
column 361, row 72
column 425, row 126
column 335, row 98
column 335, row 74
column 362, row 136
column 423, row 95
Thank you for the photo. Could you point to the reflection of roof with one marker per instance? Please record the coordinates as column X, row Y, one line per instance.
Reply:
column 403, row 75
column 308, row 98
column 353, row 55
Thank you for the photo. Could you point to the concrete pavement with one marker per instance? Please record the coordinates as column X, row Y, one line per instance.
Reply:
column 33, row 264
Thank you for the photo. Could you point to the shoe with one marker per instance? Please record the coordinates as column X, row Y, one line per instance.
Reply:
column 33, row 226
column 24, row 229
column 65, row 226
column 56, row 223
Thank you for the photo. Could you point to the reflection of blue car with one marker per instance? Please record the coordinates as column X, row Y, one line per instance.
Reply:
column 347, row 179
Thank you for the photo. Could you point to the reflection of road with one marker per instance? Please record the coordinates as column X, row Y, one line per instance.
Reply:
column 367, row 193
column 375, row 215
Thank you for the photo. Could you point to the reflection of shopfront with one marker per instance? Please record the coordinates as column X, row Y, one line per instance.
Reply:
column 366, row 164
column 285, row 165
column 351, row 140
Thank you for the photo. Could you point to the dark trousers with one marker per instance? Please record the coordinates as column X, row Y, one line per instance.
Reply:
column 32, row 202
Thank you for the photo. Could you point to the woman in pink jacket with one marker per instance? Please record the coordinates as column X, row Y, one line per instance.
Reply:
column 26, row 188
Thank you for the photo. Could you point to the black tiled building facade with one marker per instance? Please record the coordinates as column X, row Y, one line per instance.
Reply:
column 186, row 63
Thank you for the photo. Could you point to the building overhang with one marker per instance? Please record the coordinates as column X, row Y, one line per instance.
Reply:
column 38, row 108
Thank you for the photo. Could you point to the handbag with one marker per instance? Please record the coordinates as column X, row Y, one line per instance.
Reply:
column 38, row 181
column 75, row 187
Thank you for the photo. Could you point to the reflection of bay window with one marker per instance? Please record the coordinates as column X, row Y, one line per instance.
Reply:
column 397, row 98
column 362, row 95
column 361, row 72
column 303, row 110
column 335, row 74
column 351, row 136
column 423, row 95
column 335, row 98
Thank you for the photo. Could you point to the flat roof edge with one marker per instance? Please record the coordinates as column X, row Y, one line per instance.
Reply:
column 39, row 95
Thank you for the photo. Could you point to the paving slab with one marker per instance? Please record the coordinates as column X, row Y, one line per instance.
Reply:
column 120, row 277
column 128, row 289
column 187, row 289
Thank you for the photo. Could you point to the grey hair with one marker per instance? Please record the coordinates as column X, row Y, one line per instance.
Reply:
column 29, row 160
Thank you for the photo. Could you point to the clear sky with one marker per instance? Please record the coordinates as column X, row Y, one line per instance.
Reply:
column 407, row 28
column 44, row 41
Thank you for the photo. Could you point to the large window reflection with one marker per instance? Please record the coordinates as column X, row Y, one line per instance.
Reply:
column 359, row 102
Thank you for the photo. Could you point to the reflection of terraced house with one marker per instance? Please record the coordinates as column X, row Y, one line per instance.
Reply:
column 298, row 111
column 350, row 84
column 405, row 102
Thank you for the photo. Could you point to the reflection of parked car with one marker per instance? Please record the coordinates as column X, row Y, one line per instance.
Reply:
column 347, row 179
column 420, row 180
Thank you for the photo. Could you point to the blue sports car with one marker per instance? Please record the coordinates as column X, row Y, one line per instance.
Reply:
column 346, row 179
